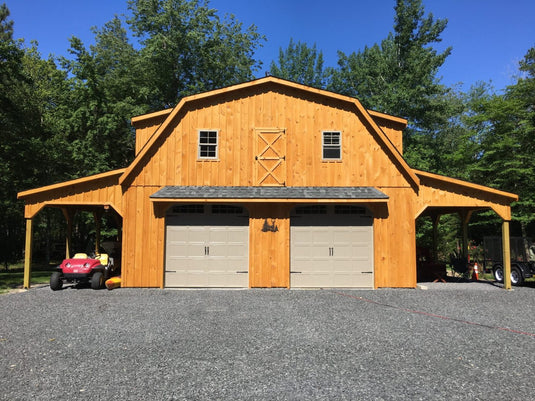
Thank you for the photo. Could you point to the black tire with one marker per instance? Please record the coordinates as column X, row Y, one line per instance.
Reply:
column 97, row 281
column 56, row 281
column 516, row 276
column 498, row 274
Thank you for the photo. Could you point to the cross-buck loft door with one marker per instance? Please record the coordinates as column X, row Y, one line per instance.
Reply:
column 270, row 159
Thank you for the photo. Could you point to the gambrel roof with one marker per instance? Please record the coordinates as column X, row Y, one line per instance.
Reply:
column 367, row 115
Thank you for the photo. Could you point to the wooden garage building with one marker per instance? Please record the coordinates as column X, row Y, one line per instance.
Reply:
column 268, row 184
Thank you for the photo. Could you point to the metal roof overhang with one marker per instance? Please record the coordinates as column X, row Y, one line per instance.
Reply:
column 268, row 194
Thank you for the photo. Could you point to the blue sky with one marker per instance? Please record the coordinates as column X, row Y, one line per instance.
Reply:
column 488, row 37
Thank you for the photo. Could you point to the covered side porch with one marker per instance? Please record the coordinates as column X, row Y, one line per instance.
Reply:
column 96, row 194
column 440, row 195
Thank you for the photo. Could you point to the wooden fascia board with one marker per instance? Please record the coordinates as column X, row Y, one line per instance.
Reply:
column 390, row 146
column 154, row 137
column 96, row 177
column 510, row 196
column 80, row 205
column 388, row 117
column 143, row 117
column 265, row 200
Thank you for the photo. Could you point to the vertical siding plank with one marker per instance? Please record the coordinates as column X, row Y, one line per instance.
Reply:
column 139, row 240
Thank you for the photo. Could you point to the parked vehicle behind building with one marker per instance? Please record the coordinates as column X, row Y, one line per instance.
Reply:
column 522, row 258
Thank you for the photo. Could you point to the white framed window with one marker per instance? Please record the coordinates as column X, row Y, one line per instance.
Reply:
column 208, row 141
column 332, row 145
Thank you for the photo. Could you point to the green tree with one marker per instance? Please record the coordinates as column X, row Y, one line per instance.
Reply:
column 11, row 81
column 301, row 64
column 187, row 48
column 23, row 156
column 105, row 90
column 507, row 126
column 399, row 77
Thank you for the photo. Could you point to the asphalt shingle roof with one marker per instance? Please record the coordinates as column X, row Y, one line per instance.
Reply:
column 215, row 192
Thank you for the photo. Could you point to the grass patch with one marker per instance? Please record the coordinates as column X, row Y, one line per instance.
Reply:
column 14, row 276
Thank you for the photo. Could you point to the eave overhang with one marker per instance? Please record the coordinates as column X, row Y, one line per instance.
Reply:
column 268, row 194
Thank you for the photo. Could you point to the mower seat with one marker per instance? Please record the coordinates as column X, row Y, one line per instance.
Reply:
column 104, row 259
column 80, row 256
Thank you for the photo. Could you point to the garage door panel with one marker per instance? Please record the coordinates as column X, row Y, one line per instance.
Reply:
column 311, row 281
column 207, row 250
column 196, row 235
column 306, row 253
column 332, row 250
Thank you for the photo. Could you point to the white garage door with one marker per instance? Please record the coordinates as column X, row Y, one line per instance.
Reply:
column 331, row 246
column 207, row 246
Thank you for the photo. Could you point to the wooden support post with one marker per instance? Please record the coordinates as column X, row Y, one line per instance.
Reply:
column 506, row 246
column 69, row 216
column 28, row 255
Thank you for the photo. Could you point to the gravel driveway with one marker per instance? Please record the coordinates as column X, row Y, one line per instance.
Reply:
column 450, row 343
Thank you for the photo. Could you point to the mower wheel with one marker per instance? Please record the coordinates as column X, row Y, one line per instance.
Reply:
column 56, row 282
column 97, row 281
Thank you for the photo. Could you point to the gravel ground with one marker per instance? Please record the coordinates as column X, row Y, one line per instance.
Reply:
column 449, row 342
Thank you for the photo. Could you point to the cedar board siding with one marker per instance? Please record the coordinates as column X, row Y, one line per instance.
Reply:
column 99, row 191
column 237, row 116
column 174, row 160
column 269, row 252
column 394, row 232
column 145, row 128
column 143, row 239
column 446, row 192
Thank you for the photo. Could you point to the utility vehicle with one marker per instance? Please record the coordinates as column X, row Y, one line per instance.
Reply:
column 81, row 268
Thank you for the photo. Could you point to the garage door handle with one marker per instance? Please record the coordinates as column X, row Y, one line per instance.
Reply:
column 242, row 272
column 331, row 251
column 206, row 251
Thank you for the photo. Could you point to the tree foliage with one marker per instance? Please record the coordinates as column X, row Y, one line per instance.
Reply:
column 187, row 48
column 105, row 91
column 302, row 64
column 399, row 77
column 507, row 137
column 24, row 135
